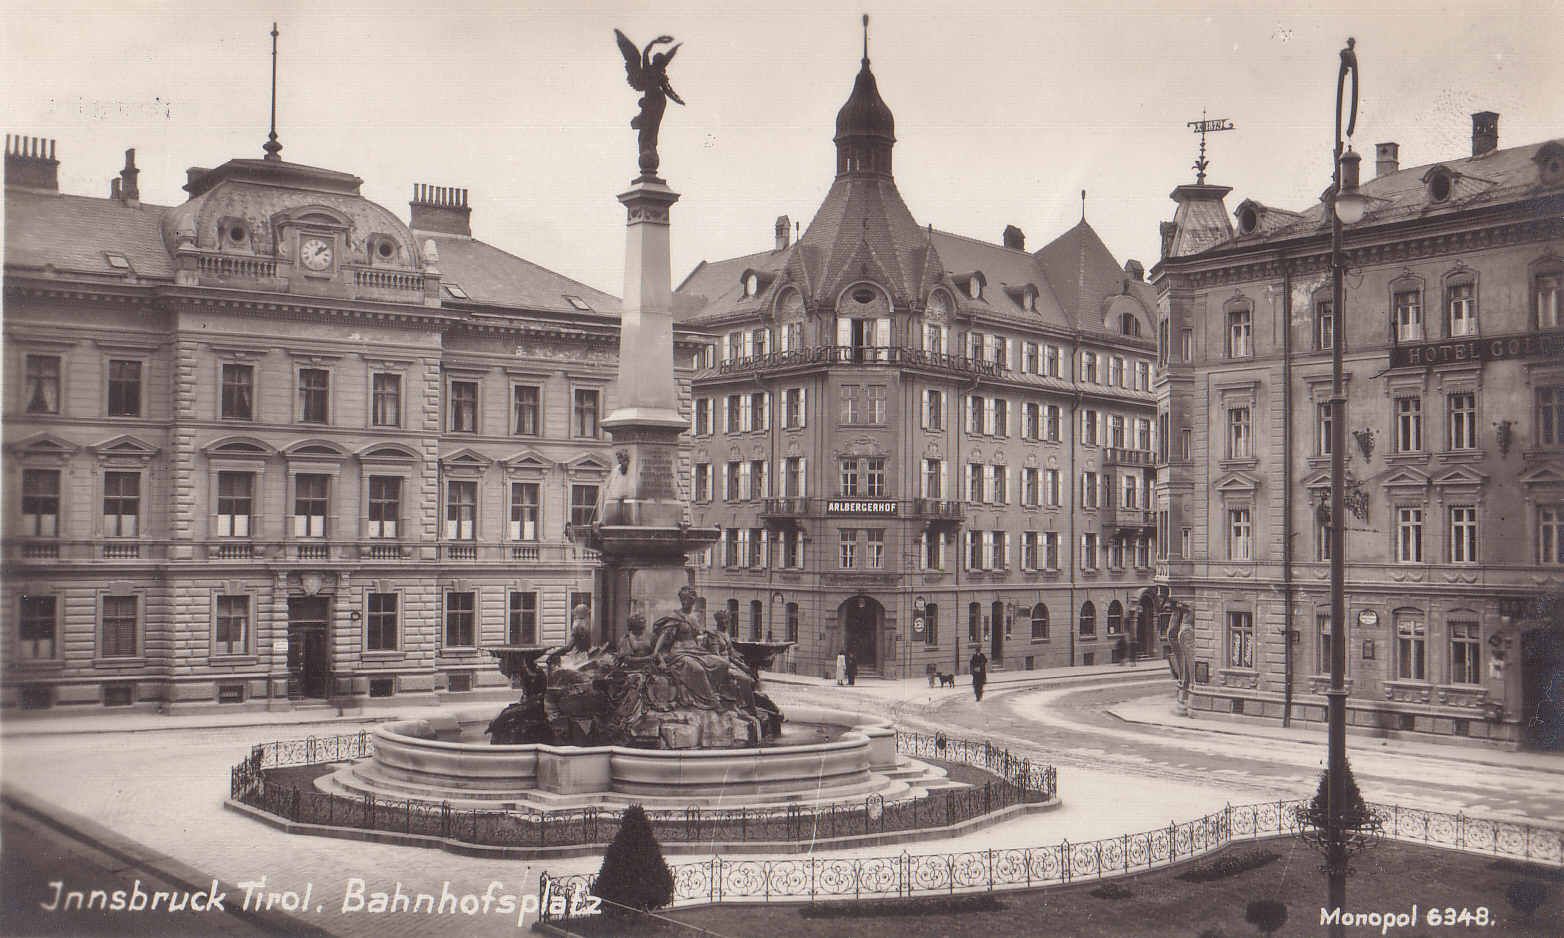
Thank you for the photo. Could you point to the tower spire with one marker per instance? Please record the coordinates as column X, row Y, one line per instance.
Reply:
column 271, row 146
column 866, row 39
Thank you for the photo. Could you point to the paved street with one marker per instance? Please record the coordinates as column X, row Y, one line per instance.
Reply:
column 164, row 789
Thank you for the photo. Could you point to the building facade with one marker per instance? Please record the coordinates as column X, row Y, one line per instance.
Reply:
column 918, row 444
column 1454, row 365
column 276, row 444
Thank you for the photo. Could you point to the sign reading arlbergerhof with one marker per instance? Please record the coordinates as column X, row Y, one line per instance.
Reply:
column 849, row 506
column 1478, row 349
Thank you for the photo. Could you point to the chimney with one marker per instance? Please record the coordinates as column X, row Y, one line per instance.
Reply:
column 130, row 190
column 1135, row 269
column 1485, row 132
column 440, row 209
column 30, row 163
column 1387, row 159
column 193, row 175
column 1015, row 238
column 784, row 230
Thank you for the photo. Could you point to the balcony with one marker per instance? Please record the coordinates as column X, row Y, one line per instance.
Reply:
column 1127, row 519
column 853, row 355
column 1115, row 456
column 786, row 510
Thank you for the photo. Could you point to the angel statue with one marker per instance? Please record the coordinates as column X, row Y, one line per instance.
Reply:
column 648, row 74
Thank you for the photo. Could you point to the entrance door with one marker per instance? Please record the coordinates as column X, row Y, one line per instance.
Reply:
column 996, row 648
column 1145, row 626
column 1542, row 673
column 307, row 663
column 861, row 620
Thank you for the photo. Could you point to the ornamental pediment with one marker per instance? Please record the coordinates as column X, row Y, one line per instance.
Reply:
column 1461, row 477
column 243, row 446
column 315, row 449
column 388, row 452
column 465, row 459
column 528, row 461
column 1237, row 483
column 44, row 444
column 1548, row 473
column 1407, row 477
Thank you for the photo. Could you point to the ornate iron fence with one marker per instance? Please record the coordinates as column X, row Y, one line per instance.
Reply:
column 821, row 879
column 1015, row 781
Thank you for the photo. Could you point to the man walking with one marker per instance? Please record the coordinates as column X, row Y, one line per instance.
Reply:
column 979, row 667
column 852, row 669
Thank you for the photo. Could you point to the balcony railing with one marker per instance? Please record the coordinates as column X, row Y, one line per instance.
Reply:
column 229, row 266
column 1115, row 456
column 388, row 280
column 861, row 355
column 790, row 507
column 1127, row 518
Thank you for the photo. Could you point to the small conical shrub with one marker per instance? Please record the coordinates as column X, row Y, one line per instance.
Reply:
column 634, row 874
column 1355, row 813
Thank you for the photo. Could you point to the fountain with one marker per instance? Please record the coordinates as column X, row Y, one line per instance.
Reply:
column 672, row 718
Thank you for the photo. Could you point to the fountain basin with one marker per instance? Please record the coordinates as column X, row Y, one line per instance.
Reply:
column 411, row 761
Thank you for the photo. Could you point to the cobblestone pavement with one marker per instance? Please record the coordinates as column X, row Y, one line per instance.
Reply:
column 165, row 790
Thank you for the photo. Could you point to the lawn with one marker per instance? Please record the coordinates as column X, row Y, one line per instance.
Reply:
column 1391, row 877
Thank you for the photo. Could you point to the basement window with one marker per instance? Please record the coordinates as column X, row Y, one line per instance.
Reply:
column 116, row 695
column 381, row 686
column 230, row 693
column 461, row 683
column 577, row 302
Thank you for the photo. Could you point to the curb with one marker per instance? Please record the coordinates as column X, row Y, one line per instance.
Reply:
column 139, row 856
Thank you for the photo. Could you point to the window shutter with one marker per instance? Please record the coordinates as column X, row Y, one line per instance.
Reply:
column 1011, row 359
column 765, row 546
column 1004, row 539
column 1102, row 428
column 882, row 332
column 722, row 418
column 967, row 485
column 926, row 396
column 726, row 494
column 803, row 476
column 944, row 478
column 1009, row 483
column 803, row 406
column 765, row 414
column 844, row 331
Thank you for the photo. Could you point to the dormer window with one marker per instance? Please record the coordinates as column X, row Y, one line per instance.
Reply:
column 1248, row 219
column 752, row 285
column 1441, row 182
column 975, row 288
column 1550, row 163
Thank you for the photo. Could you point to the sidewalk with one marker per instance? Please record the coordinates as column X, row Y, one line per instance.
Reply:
column 1159, row 713
column 901, row 687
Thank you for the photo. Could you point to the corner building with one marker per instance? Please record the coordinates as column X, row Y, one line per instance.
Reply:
column 915, row 443
column 1454, row 377
column 275, row 445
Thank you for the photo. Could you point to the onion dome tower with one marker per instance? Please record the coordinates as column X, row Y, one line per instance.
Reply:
column 865, row 127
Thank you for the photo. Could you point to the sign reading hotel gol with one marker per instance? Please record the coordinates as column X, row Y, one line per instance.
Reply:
column 1483, row 349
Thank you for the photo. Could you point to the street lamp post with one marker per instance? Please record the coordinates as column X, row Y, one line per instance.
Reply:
column 1346, row 206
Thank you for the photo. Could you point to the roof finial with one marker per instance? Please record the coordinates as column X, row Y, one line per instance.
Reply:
column 1203, row 127
column 1083, row 205
column 866, row 39
column 271, row 146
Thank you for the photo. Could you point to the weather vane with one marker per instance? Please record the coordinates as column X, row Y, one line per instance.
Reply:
column 648, row 74
column 1203, row 127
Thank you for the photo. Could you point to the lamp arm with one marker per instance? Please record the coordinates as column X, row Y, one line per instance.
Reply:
column 1349, row 63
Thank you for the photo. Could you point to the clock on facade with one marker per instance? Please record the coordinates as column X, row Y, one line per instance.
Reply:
column 315, row 253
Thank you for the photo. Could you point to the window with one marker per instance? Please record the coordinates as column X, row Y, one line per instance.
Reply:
column 1186, row 345
column 1550, row 535
column 999, row 488
column 1028, row 550
column 1031, row 361
column 1052, row 360
column 1409, row 424
column 36, row 628
column 1039, row 623
column 1089, row 489
column 793, row 549
column 1239, row 534
column 1408, row 312
column 1115, row 618
column 1461, row 409
column 1001, row 416
column 1240, row 640
column 1088, row 628
column 1324, row 434
column 1463, row 534
column 380, row 622
column 1550, row 416
column 793, row 408
column 1240, row 434
column 1143, row 434
column 757, row 341
column 975, row 542
column 1051, row 423
column 792, row 336
column 585, row 413
column 874, row 477
column 1089, row 551
column 1116, row 371
column 1050, row 550
column 314, row 395
column 1142, row 376
column 1116, row 431
column 233, row 626
column 731, row 481
column 385, row 506
column 1465, row 652
column 934, row 338
column 933, row 409
column 760, row 410
column 730, row 547
column 1089, row 421
column 701, row 489
column 1461, row 309
column 700, row 417
column 1031, row 421
column 235, row 504
column 794, row 478
column 1240, row 330
column 876, row 404
column 118, row 627
column 1409, row 535
column 42, row 379
column 791, row 617
column 849, row 478
column 461, row 510
column 931, row 624
column 1324, row 325
column 1186, row 542
column 460, row 614
column 309, row 505
column 1322, row 543
column 847, row 542
column 875, row 552
column 238, row 392
column 464, row 407
column 583, row 504
column 1322, row 643
column 121, row 504
column 386, row 400
column 1130, row 497
column 1031, row 487
column 1411, row 647
column 933, row 478
column 1143, row 551
column 852, row 405
column 1546, row 291
column 1001, row 349
column 124, row 388
column 523, row 618
column 1089, row 367
column 525, row 504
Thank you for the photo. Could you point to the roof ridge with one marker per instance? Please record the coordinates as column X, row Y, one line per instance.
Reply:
column 532, row 264
column 988, row 244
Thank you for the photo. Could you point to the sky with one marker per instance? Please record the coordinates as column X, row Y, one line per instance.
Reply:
column 1005, row 111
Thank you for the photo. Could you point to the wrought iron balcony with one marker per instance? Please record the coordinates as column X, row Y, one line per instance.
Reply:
column 1122, row 519
column 900, row 356
column 1116, row 456
column 786, row 508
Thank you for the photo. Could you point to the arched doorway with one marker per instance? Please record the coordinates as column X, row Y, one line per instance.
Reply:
column 1542, row 683
column 1146, row 625
column 861, row 618
column 997, row 619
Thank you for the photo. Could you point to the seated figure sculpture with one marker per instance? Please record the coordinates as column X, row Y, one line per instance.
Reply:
column 684, row 686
